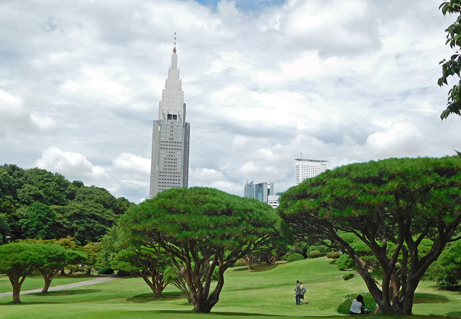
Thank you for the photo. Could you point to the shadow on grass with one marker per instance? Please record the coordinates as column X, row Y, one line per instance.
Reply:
column 66, row 292
column 429, row 298
column 151, row 297
column 454, row 314
column 258, row 268
column 213, row 313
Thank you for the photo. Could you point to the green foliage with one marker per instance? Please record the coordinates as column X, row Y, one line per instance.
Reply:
column 345, row 306
column 106, row 271
column 396, row 207
column 38, row 221
column 348, row 276
column 38, row 204
column 315, row 254
column 320, row 248
column 18, row 260
column 76, row 257
column 92, row 250
column 295, row 257
column 447, row 270
column 345, row 262
column 204, row 226
column 299, row 247
column 111, row 245
column 452, row 67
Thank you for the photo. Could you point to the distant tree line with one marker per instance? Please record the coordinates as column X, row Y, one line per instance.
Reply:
column 35, row 203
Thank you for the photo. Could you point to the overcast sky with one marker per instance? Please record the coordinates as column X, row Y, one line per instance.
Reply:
column 343, row 81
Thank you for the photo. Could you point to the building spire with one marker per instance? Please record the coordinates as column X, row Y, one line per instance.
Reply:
column 174, row 48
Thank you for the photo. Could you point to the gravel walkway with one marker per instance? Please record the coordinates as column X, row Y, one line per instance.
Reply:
column 68, row 286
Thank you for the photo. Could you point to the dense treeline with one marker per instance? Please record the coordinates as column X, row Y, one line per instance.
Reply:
column 35, row 203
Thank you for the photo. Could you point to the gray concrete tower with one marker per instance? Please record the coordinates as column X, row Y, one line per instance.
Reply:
column 170, row 138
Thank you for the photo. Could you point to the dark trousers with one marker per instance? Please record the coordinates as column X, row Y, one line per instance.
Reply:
column 298, row 300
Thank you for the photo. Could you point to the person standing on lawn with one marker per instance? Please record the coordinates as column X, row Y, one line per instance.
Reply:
column 303, row 291
column 298, row 293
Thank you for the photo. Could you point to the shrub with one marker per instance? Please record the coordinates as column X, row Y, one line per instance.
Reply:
column 348, row 276
column 123, row 273
column 240, row 263
column 345, row 306
column 321, row 248
column 315, row 254
column 106, row 271
column 344, row 262
column 295, row 257
column 334, row 254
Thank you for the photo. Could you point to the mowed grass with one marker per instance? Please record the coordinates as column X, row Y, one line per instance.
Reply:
column 36, row 282
column 265, row 292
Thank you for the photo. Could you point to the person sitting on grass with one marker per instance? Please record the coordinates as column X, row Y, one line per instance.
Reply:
column 358, row 307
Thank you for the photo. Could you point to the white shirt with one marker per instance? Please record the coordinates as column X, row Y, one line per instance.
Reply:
column 356, row 306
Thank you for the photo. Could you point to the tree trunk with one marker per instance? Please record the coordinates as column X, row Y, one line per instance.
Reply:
column 88, row 271
column 47, row 285
column 63, row 272
column 16, row 291
column 156, row 290
column 204, row 302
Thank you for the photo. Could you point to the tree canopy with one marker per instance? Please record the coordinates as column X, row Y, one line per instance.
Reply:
column 35, row 203
column 18, row 260
column 197, row 230
column 394, row 206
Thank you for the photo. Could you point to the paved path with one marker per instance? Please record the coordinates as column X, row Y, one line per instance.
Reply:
column 68, row 286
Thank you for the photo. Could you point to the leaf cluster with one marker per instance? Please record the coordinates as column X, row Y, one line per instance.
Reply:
column 452, row 66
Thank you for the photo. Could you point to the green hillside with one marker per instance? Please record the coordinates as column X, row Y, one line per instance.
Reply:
column 263, row 292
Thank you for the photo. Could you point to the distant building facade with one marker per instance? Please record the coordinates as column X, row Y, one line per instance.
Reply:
column 260, row 191
column 170, row 137
column 308, row 168
column 273, row 200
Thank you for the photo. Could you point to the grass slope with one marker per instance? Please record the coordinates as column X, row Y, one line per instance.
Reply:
column 36, row 282
column 262, row 293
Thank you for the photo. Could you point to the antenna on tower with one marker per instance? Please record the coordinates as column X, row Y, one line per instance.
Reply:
column 301, row 155
column 174, row 49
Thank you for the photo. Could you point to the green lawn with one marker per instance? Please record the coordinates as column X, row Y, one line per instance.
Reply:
column 262, row 293
column 35, row 282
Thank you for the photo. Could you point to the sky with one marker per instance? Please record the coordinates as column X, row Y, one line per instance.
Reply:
column 264, row 81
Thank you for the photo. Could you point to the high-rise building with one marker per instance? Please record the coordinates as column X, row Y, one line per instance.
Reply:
column 170, row 137
column 307, row 168
column 249, row 191
column 260, row 191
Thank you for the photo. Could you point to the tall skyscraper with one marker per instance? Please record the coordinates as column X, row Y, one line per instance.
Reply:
column 170, row 137
column 307, row 168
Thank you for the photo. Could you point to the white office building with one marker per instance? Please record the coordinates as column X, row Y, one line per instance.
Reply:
column 273, row 200
column 307, row 168
column 170, row 137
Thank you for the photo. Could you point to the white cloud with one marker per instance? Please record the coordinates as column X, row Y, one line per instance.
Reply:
column 400, row 139
column 16, row 118
column 70, row 164
column 205, row 176
column 344, row 81
column 333, row 27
